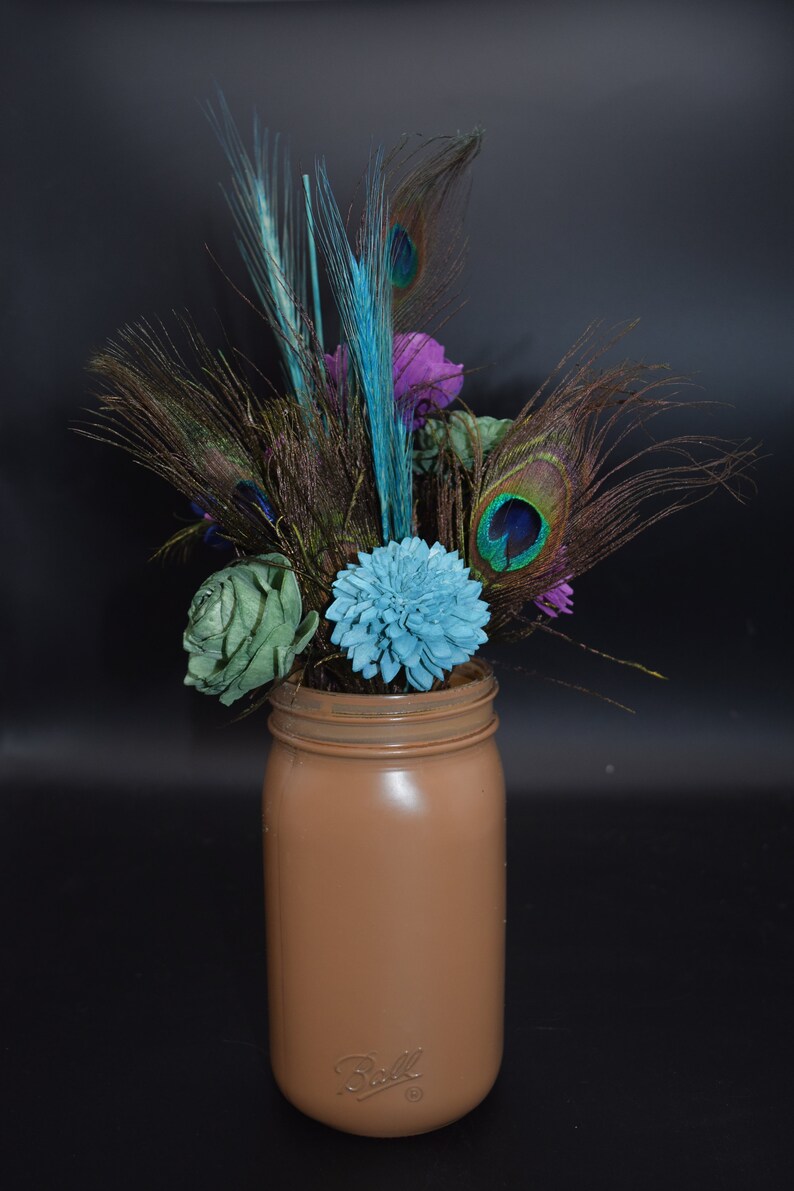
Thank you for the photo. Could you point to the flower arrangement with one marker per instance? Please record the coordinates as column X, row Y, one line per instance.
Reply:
column 381, row 533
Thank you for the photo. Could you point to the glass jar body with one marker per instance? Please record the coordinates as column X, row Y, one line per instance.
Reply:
column 384, row 841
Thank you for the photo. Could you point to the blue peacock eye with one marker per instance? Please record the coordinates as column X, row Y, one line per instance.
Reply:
column 403, row 256
column 512, row 532
column 519, row 523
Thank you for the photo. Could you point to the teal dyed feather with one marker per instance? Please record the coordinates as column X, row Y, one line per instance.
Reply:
column 362, row 290
column 269, row 241
column 312, row 238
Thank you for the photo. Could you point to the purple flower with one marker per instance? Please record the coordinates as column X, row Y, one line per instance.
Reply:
column 424, row 379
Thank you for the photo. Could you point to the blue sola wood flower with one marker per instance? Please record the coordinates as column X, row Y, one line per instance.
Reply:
column 408, row 604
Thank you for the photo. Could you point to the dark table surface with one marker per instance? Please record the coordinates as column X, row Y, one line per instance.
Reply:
column 649, row 1000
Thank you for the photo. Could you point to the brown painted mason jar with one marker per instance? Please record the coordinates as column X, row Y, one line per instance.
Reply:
column 384, row 837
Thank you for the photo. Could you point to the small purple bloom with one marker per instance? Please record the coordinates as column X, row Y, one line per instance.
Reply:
column 556, row 601
column 424, row 379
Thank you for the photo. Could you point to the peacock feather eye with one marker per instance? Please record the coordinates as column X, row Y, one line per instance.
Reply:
column 403, row 256
column 520, row 519
column 511, row 533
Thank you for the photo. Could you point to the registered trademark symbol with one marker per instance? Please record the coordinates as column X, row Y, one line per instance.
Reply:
column 414, row 1094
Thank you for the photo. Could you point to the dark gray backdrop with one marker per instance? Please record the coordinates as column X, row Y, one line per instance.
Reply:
column 637, row 164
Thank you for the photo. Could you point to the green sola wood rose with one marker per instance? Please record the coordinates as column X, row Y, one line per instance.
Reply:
column 244, row 627
column 459, row 431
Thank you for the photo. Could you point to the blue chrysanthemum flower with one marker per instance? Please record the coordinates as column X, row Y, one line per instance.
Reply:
column 408, row 604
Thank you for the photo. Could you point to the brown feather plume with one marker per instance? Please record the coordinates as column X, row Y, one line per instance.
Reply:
column 428, row 193
column 203, row 428
column 578, row 475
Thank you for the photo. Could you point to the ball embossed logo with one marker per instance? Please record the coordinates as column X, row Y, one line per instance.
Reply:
column 363, row 1076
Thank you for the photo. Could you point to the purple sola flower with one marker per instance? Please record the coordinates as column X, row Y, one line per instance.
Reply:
column 424, row 379
column 408, row 605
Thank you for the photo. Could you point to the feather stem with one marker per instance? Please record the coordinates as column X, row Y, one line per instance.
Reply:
column 599, row 653
column 318, row 318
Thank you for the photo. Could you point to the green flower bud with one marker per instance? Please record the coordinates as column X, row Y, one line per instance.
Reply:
column 460, row 431
column 244, row 627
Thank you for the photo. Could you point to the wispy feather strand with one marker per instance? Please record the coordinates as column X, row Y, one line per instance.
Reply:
column 269, row 239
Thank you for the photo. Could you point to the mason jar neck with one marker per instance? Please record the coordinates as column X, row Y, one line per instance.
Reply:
column 336, row 723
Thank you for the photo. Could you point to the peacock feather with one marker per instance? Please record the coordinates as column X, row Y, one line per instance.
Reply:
column 424, row 242
column 565, row 487
column 577, row 474
column 271, row 474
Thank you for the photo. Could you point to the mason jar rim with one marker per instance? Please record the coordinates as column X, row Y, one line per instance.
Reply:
column 422, row 720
